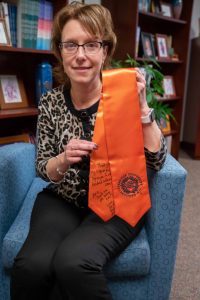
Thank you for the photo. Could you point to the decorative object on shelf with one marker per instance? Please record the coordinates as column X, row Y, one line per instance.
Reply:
column 12, row 92
column 165, row 124
column 147, row 45
column 162, row 47
column 4, row 37
column 144, row 5
column 169, row 87
column 155, row 7
column 44, row 79
column 166, row 9
column 154, row 85
column 177, row 8
column 21, row 138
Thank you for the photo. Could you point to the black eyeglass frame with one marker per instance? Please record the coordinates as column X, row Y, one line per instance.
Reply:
column 102, row 44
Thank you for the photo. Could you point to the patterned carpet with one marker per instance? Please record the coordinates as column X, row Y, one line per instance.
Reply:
column 186, row 283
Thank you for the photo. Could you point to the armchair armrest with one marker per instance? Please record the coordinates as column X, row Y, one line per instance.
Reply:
column 167, row 189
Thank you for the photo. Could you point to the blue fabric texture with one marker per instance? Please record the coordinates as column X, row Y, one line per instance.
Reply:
column 17, row 173
column 143, row 271
column 18, row 232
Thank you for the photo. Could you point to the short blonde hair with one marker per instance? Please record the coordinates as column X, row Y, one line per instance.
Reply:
column 95, row 18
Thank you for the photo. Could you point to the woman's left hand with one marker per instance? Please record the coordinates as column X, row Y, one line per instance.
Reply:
column 141, row 85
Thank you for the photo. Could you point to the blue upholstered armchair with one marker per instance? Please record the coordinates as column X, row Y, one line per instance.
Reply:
column 143, row 271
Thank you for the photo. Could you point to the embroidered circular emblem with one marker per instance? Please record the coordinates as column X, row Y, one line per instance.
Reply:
column 130, row 184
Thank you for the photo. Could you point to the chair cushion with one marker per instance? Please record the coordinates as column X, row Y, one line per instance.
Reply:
column 133, row 261
column 18, row 232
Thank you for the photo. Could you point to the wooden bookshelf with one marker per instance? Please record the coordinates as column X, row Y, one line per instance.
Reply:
column 23, row 62
column 24, row 50
column 170, row 61
column 160, row 18
column 127, row 17
column 18, row 113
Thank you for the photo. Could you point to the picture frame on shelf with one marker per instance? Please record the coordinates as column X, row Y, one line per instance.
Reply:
column 21, row 138
column 4, row 37
column 166, row 9
column 162, row 47
column 169, row 87
column 147, row 45
column 165, row 125
column 12, row 92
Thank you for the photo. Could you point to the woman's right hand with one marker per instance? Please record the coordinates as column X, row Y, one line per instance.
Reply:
column 76, row 149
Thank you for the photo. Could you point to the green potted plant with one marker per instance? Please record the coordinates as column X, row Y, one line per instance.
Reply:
column 154, row 85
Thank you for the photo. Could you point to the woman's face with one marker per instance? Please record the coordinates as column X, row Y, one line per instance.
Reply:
column 80, row 67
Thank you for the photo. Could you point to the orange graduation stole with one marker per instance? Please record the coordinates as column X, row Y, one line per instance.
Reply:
column 118, row 181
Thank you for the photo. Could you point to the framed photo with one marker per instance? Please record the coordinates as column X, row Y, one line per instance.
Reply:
column 4, row 38
column 165, row 125
column 162, row 47
column 147, row 45
column 169, row 87
column 21, row 138
column 12, row 92
column 166, row 9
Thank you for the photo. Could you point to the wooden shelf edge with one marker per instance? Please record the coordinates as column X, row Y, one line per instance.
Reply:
column 25, row 50
column 171, row 132
column 17, row 113
column 160, row 17
column 167, row 99
column 170, row 61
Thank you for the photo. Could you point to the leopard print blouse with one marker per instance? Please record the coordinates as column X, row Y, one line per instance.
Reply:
column 58, row 122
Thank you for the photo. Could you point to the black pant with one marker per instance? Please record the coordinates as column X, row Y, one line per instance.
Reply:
column 65, row 251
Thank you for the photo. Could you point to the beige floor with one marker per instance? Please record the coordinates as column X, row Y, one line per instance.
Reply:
column 186, row 282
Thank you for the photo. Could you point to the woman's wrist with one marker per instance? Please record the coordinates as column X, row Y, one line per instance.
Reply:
column 59, row 169
column 56, row 168
column 145, row 110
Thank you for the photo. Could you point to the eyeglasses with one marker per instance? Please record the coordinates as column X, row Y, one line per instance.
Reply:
column 90, row 48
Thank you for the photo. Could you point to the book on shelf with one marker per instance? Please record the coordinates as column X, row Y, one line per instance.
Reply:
column 12, row 13
column 29, row 23
column 44, row 26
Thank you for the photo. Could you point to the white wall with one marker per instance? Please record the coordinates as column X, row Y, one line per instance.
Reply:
column 194, row 32
column 195, row 19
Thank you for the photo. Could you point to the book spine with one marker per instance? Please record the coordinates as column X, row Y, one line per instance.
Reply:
column 40, row 25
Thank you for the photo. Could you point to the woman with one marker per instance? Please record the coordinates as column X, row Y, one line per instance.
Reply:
column 68, row 244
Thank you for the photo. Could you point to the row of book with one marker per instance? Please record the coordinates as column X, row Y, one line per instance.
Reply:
column 29, row 23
